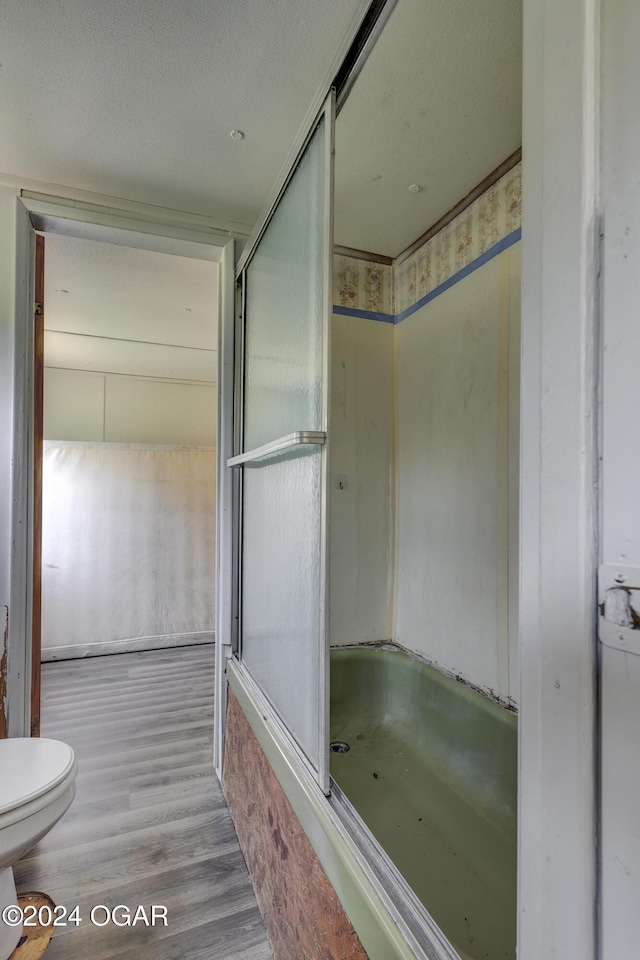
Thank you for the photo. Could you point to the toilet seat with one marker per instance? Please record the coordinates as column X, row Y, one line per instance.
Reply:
column 30, row 768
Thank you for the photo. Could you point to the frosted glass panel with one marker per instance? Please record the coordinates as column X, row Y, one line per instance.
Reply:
column 281, row 585
column 284, row 311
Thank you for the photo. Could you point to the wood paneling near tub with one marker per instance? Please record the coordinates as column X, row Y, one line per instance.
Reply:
column 300, row 908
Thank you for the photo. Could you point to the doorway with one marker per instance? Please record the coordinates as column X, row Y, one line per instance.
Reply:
column 133, row 229
column 130, row 371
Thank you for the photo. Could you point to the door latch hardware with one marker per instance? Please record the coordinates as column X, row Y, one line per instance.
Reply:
column 618, row 598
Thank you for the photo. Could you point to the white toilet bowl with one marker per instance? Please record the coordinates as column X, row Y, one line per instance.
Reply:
column 37, row 785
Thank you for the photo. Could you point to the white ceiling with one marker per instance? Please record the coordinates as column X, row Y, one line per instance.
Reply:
column 438, row 104
column 121, row 310
column 137, row 99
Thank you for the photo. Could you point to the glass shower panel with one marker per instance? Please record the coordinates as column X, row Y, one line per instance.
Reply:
column 283, row 358
column 281, row 586
column 285, row 347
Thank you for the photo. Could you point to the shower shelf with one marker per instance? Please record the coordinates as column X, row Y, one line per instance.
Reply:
column 282, row 444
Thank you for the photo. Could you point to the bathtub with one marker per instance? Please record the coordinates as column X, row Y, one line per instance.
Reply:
column 431, row 769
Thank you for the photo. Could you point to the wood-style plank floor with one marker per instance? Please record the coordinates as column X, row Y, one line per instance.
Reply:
column 149, row 824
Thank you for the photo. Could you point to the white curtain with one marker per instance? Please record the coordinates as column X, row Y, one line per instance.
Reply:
column 128, row 542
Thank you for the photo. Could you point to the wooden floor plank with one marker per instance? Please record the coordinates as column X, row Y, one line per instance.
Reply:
column 149, row 823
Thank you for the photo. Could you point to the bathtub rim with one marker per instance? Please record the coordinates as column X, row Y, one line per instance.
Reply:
column 506, row 703
column 383, row 930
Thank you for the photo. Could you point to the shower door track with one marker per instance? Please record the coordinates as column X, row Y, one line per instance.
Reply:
column 419, row 922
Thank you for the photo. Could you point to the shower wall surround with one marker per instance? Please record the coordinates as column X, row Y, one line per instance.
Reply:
column 424, row 441
column 361, row 528
column 363, row 287
column 425, row 433
column 467, row 242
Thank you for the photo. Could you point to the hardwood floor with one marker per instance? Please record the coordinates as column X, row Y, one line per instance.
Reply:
column 149, row 824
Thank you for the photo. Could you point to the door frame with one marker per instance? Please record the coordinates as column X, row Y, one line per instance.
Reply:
column 558, row 709
column 168, row 234
column 38, row 440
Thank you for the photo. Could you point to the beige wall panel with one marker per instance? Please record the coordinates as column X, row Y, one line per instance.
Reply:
column 128, row 543
column 361, row 453
column 151, row 411
column 452, row 509
column 73, row 405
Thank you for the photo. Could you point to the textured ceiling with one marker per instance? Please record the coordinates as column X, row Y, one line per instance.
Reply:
column 129, row 311
column 438, row 104
column 136, row 98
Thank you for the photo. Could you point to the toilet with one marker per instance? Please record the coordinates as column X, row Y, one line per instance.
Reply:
column 37, row 785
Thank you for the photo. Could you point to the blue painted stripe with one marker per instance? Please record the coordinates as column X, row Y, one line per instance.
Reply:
column 489, row 254
column 365, row 314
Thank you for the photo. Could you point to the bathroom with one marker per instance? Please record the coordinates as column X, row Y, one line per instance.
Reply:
column 421, row 500
column 576, row 702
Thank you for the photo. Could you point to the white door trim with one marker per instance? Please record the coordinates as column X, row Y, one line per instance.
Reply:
column 558, row 558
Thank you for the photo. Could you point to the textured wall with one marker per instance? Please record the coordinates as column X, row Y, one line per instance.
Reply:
column 301, row 910
column 363, row 285
column 393, row 288
column 455, row 451
column 124, row 409
column 362, row 457
column 489, row 219
column 431, row 534
column 128, row 543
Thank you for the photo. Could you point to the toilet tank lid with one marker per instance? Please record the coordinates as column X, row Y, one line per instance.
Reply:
column 30, row 767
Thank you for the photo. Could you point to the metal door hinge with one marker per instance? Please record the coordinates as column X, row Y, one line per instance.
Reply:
column 619, row 607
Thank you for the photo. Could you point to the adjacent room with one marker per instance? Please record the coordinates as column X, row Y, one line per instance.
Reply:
column 130, row 407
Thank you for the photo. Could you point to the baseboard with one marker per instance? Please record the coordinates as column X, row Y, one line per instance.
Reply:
column 76, row 651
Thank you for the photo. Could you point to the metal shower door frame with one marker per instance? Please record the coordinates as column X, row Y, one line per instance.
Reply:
column 299, row 438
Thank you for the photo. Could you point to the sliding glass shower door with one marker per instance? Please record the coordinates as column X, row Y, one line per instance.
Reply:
column 282, row 451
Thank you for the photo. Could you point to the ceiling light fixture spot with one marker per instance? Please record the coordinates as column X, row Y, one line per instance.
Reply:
column 415, row 188
column 237, row 135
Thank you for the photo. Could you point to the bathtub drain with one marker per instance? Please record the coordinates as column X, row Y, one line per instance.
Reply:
column 339, row 746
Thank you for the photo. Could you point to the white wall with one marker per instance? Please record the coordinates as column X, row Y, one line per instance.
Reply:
column 452, row 466
column 119, row 409
column 361, row 453
column 425, row 433
column 128, row 519
column 128, row 543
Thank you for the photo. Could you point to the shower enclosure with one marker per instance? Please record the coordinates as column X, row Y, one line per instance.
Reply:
column 420, row 427
column 282, row 381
